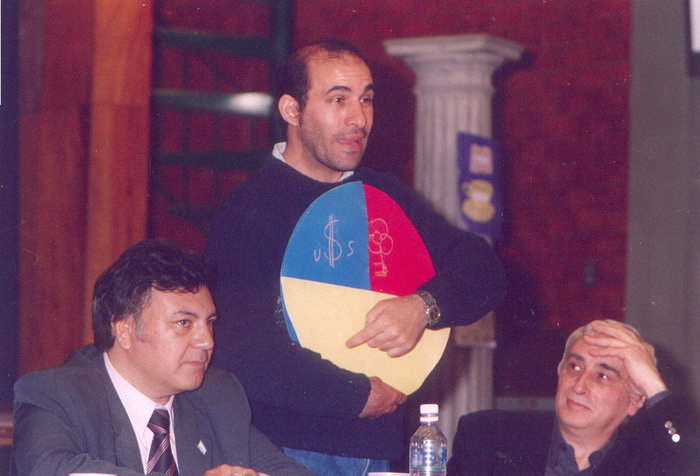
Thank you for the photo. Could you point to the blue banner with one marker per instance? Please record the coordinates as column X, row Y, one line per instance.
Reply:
column 479, row 187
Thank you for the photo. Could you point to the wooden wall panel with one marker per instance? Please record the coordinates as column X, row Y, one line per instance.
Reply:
column 122, row 55
column 118, row 171
column 52, row 230
column 85, row 86
column 117, row 190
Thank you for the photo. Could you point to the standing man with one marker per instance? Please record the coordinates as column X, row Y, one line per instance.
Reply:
column 140, row 399
column 334, row 421
column 614, row 416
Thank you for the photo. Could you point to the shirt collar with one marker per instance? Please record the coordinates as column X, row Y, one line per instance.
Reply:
column 278, row 153
column 561, row 459
column 138, row 406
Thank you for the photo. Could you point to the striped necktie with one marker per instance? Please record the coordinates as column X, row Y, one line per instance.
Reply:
column 161, row 458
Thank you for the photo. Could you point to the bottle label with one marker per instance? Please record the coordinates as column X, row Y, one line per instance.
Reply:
column 428, row 461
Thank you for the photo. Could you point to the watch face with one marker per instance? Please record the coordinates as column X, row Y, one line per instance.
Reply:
column 433, row 314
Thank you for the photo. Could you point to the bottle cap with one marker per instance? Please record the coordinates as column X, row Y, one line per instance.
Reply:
column 428, row 408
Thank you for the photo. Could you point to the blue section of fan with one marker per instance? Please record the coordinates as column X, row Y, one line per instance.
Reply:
column 330, row 241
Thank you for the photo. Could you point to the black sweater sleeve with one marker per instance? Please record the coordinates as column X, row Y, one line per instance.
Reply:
column 469, row 280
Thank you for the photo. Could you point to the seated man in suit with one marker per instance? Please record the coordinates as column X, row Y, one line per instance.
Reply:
column 613, row 416
column 140, row 399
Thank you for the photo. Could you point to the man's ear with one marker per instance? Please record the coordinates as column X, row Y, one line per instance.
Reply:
column 636, row 402
column 121, row 330
column 289, row 109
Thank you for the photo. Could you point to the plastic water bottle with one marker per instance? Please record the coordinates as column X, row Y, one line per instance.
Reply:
column 428, row 453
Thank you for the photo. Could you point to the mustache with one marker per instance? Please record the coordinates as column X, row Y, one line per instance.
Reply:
column 353, row 133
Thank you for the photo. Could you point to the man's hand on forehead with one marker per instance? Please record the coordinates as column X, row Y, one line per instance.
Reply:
column 615, row 341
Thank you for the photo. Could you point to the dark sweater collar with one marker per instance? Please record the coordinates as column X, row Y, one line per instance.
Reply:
column 278, row 167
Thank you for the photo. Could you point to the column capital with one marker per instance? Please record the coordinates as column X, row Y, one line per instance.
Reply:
column 453, row 61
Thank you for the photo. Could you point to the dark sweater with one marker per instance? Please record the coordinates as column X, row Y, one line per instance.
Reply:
column 298, row 399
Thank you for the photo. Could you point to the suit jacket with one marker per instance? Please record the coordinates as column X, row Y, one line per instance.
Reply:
column 497, row 442
column 70, row 419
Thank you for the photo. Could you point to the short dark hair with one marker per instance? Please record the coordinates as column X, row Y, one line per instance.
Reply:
column 293, row 74
column 123, row 288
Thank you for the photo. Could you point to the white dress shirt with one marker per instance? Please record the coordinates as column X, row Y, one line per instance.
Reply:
column 139, row 408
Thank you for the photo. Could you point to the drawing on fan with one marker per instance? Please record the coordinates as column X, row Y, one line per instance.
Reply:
column 334, row 251
column 380, row 243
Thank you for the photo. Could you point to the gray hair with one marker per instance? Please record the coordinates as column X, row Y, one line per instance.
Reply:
column 588, row 331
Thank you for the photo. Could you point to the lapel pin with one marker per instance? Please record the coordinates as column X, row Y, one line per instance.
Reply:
column 202, row 449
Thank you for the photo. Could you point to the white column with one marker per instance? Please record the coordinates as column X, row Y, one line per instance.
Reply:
column 454, row 94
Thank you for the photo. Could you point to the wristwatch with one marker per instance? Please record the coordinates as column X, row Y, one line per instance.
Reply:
column 432, row 311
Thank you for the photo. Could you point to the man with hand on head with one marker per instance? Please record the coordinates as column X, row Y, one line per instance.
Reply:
column 140, row 399
column 334, row 421
column 613, row 416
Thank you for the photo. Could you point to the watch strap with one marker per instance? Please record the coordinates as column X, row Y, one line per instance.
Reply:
column 432, row 311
